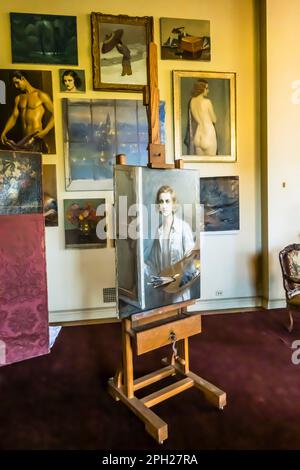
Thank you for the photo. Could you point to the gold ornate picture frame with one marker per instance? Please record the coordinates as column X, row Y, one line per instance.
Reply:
column 120, row 51
column 205, row 116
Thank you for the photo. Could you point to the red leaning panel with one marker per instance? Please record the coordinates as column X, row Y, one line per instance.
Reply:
column 24, row 329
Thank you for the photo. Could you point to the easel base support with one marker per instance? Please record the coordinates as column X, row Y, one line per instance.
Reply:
column 154, row 425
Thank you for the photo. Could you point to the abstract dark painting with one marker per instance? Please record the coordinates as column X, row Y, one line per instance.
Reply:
column 220, row 197
column 43, row 39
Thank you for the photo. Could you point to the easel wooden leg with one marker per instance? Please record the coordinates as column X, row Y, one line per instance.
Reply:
column 212, row 393
column 154, row 425
column 127, row 359
column 183, row 353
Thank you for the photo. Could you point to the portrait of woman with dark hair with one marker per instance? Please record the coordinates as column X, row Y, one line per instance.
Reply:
column 72, row 81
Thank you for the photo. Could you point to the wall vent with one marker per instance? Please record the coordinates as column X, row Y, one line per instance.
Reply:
column 109, row 295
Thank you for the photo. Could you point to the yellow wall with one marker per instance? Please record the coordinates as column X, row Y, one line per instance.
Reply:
column 283, row 136
column 229, row 262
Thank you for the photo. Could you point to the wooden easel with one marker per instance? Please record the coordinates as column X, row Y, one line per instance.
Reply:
column 153, row 329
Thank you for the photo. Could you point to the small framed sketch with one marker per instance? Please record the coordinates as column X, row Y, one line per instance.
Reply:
column 184, row 39
column 120, row 51
column 205, row 116
column 220, row 197
column 85, row 223
column 72, row 81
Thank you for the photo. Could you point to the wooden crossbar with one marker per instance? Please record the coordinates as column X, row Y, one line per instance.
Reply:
column 153, row 377
column 167, row 392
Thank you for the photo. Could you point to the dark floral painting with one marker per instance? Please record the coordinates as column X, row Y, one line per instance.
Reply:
column 220, row 197
column 20, row 183
column 43, row 39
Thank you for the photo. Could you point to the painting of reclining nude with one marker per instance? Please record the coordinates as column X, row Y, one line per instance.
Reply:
column 157, row 237
column 20, row 183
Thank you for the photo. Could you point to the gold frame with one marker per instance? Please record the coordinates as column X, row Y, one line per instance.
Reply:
column 181, row 105
column 96, row 20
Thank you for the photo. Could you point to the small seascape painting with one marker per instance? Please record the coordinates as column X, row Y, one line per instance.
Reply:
column 220, row 197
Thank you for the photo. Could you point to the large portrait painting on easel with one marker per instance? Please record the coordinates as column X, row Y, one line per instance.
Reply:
column 157, row 237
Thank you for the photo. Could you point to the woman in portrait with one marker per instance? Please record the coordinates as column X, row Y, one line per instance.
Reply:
column 71, row 81
column 174, row 238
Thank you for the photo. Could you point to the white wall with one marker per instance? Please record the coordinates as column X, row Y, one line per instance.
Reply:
column 283, row 155
column 229, row 262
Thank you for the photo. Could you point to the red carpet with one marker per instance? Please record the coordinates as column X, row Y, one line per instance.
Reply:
column 60, row 401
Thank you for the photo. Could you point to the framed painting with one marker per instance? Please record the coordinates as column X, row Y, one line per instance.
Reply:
column 220, row 198
column 26, row 112
column 95, row 131
column 72, row 81
column 205, row 116
column 184, row 39
column 43, row 39
column 50, row 195
column 20, row 183
column 85, row 223
column 158, row 216
column 120, row 51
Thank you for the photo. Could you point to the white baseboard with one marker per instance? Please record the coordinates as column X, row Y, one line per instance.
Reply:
column 108, row 313
column 273, row 303
column 226, row 304
column 82, row 315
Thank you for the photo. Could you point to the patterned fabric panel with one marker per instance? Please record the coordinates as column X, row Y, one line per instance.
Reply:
column 295, row 301
column 24, row 329
column 293, row 260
